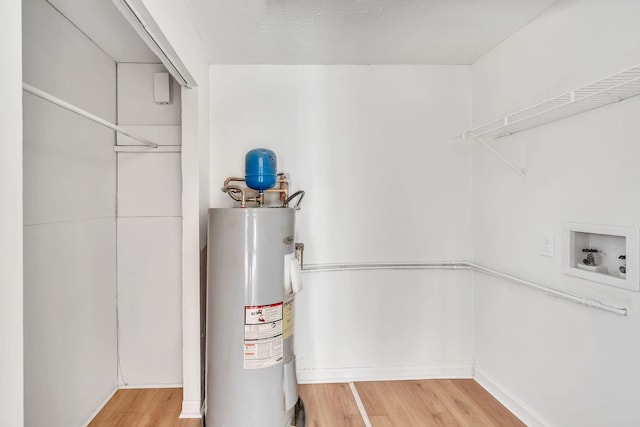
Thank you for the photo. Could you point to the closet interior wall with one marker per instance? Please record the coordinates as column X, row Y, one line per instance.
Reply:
column 528, row 346
column 149, row 234
column 69, row 223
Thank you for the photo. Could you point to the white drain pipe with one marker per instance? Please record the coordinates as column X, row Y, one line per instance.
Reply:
column 465, row 265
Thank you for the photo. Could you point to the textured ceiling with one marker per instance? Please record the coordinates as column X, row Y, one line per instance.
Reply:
column 358, row 31
column 103, row 23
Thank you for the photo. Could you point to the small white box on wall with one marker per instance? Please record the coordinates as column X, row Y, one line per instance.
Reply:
column 161, row 88
column 599, row 253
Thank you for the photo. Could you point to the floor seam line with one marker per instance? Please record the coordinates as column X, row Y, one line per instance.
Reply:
column 363, row 411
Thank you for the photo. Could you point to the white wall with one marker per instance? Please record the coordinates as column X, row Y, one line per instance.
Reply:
column 173, row 20
column 369, row 146
column 11, row 275
column 572, row 365
column 149, row 235
column 69, row 224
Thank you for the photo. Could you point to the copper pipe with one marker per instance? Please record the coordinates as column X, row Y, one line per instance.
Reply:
column 284, row 189
column 232, row 178
column 239, row 179
column 273, row 190
column 231, row 189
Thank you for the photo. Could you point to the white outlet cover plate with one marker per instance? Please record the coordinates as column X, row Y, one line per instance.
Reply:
column 548, row 245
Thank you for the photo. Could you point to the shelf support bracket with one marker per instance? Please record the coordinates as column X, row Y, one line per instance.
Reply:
column 501, row 157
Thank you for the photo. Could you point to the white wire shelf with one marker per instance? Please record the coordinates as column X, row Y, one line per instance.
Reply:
column 611, row 89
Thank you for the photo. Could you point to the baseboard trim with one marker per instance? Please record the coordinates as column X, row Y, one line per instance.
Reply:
column 510, row 400
column 130, row 386
column 191, row 409
column 97, row 411
column 345, row 375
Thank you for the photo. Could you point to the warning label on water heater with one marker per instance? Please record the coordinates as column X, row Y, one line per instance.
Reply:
column 287, row 328
column 263, row 346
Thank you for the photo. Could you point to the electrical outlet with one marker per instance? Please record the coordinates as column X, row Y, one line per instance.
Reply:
column 548, row 244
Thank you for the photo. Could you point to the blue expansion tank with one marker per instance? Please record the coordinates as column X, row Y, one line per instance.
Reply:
column 260, row 169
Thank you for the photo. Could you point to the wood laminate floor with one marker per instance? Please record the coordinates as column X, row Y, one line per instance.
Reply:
column 330, row 405
column 151, row 407
column 432, row 403
column 420, row 403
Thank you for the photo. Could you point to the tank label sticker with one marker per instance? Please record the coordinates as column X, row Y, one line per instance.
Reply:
column 260, row 314
column 263, row 331
column 287, row 328
column 263, row 341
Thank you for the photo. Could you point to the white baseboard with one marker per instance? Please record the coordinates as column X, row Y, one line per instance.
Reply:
column 345, row 375
column 191, row 409
column 509, row 399
column 129, row 386
column 100, row 407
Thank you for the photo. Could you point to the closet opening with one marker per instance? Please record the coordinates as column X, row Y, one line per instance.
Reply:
column 102, row 196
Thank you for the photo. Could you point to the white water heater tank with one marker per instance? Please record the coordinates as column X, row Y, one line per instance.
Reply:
column 251, row 376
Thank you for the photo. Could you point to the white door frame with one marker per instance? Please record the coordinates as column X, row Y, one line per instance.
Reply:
column 11, row 223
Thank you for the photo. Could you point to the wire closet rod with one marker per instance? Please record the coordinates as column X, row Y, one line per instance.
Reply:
column 67, row 106
column 464, row 265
